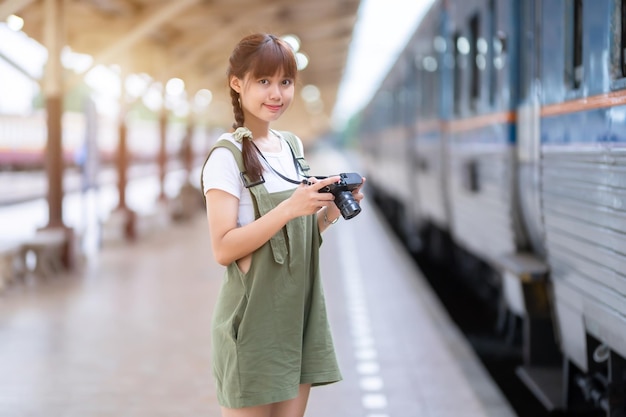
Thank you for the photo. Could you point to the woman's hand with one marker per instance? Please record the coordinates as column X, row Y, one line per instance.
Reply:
column 306, row 199
column 331, row 214
column 357, row 194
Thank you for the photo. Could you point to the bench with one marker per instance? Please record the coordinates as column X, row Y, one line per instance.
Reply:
column 187, row 203
column 10, row 264
column 48, row 248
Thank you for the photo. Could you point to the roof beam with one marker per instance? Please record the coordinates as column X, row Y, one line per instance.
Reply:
column 210, row 44
column 253, row 14
column 145, row 25
column 9, row 7
column 18, row 67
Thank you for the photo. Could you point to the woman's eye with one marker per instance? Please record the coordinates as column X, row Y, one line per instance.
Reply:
column 286, row 82
column 263, row 82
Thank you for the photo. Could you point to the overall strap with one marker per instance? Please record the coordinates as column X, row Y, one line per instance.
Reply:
column 260, row 197
column 223, row 143
column 290, row 138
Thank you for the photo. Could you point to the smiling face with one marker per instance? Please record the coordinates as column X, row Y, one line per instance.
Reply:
column 261, row 76
column 264, row 98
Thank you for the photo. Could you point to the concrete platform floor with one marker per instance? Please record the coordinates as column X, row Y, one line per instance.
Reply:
column 126, row 335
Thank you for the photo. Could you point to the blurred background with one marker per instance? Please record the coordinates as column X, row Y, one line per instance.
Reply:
column 108, row 89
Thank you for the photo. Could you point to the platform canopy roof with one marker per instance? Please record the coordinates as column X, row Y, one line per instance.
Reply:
column 192, row 40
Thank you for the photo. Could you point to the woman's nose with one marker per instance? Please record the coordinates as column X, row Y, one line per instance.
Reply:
column 274, row 91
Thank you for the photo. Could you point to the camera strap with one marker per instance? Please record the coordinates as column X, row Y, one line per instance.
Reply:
column 296, row 165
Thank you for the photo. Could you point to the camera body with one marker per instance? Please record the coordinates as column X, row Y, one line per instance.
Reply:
column 342, row 190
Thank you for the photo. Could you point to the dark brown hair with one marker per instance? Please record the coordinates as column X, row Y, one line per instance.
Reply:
column 260, row 55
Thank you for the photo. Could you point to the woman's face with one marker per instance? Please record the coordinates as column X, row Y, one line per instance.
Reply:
column 265, row 98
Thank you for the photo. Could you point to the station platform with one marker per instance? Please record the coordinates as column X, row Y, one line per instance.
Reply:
column 128, row 332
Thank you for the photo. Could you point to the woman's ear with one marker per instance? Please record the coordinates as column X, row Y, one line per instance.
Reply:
column 235, row 84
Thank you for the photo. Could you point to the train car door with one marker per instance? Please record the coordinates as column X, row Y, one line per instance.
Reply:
column 528, row 126
column 541, row 370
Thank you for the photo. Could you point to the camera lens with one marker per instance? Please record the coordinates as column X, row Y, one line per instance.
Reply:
column 348, row 207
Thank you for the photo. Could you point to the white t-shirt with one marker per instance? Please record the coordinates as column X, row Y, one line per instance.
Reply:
column 221, row 172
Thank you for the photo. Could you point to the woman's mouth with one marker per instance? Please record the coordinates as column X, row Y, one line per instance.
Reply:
column 273, row 107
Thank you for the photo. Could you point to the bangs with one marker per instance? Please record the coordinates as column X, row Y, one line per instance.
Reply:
column 273, row 57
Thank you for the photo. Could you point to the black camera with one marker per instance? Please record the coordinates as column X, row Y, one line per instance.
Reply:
column 342, row 190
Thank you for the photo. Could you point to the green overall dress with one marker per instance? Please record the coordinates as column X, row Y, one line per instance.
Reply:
column 270, row 331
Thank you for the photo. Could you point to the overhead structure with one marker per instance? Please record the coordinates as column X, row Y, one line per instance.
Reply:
column 192, row 40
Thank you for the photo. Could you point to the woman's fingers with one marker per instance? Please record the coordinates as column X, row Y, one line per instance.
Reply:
column 318, row 184
column 309, row 199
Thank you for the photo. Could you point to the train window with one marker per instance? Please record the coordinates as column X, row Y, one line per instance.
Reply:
column 471, row 176
column 424, row 96
column 574, row 51
column 428, row 69
column 493, row 24
column 530, row 63
column 477, row 59
column 578, row 42
column 458, row 60
column 622, row 48
column 385, row 109
column 412, row 106
column 618, row 44
column 499, row 49
column 396, row 107
column 404, row 101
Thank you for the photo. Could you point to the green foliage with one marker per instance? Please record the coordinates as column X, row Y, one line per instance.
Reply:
column 72, row 102
column 141, row 112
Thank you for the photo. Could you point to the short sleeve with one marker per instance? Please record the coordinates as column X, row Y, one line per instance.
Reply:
column 221, row 172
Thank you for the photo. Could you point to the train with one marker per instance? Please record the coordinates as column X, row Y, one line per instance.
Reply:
column 498, row 138
column 23, row 139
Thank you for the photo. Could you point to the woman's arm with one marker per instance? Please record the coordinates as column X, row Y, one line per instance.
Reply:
column 326, row 216
column 231, row 243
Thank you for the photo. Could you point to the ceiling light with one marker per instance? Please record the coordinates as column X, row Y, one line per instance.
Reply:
column 15, row 23
column 302, row 61
column 293, row 41
column 310, row 93
column 203, row 98
column 175, row 87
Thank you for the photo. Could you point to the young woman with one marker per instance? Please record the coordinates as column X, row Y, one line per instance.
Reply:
column 270, row 333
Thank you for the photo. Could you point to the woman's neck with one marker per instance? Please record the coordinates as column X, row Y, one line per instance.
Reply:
column 263, row 137
column 257, row 126
column 269, row 142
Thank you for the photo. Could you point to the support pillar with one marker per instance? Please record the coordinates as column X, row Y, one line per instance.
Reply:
column 54, row 39
column 53, row 93
column 127, row 215
column 187, row 154
column 54, row 161
column 189, row 200
column 162, row 156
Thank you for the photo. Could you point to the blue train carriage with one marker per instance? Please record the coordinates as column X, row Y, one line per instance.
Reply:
column 479, row 129
column 393, row 180
column 385, row 138
column 517, row 150
column 382, row 142
column 580, row 166
column 367, row 138
column 430, row 212
column 401, row 141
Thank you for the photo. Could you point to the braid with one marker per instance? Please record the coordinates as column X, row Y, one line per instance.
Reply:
column 251, row 162
column 237, row 110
